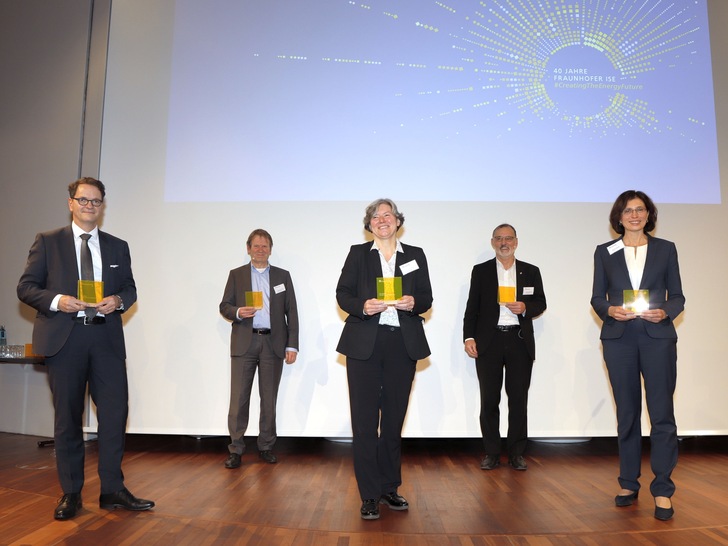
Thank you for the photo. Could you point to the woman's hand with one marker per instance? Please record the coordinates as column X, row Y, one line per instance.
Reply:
column 620, row 314
column 374, row 306
column 653, row 315
column 405, row 303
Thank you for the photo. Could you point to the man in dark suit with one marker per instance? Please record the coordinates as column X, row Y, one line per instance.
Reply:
column 498, row 334
column 262, row 338
column 83, row 343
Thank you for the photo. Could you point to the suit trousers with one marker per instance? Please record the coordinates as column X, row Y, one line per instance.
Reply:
column 379, row 391
column 633, row 355
column 86, row 358
column 506, row 351
column 261, row 357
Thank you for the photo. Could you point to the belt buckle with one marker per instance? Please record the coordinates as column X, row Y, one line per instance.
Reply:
column 88, row 321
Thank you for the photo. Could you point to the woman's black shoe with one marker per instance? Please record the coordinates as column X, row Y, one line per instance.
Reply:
column 626, row 500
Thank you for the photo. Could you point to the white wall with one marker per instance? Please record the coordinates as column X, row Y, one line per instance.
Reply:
column 177, row 342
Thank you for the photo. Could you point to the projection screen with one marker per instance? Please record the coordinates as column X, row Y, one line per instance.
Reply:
column 222, row 117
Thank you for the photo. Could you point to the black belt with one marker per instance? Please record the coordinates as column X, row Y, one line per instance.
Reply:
column 90, row 321
column 508, row 328
column 261, row 331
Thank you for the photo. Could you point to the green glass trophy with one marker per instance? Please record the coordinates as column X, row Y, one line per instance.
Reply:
column 254, row 299
column 389, row 289
column 90, row 291
column 636, row 301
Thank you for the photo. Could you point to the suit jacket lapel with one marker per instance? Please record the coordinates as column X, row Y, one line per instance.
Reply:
column 649, row 261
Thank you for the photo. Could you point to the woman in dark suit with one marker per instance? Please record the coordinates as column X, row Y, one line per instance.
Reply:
column 382, row 341
column 640, row 343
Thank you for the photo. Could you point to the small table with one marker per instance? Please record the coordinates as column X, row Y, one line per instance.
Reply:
column 28, row 360
column 24, row 360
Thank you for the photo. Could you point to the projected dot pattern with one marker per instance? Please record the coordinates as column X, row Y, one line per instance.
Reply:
column 515, row 46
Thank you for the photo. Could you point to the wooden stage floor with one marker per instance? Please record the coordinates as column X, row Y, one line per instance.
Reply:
column 310, row 497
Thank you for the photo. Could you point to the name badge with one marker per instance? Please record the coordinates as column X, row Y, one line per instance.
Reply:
column 409, row 267
column 615, row 247
column 528, row 290
column 279, row 288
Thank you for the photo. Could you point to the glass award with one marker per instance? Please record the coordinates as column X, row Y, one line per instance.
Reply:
column 90, row 291
column 254, row 299
column 389, row 289
column 636, row 301
column 506, row 294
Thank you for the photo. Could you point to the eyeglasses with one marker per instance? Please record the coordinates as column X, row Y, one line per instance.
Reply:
column 506, row 239
column 83, row 201
column 638, row 210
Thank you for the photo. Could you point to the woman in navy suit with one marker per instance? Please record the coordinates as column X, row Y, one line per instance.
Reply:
column 640, row 343
column 382, row 341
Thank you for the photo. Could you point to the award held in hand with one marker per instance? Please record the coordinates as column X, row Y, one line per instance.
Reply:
column 389, row 289
column 90, row 291
column 506, row 294
column 254, row 299
column 636, row 301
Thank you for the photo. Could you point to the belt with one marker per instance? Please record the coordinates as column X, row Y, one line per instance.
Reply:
column 261, row 331
column 508, row 328
column 90, row 321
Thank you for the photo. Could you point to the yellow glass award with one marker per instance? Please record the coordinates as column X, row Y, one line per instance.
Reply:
column 389, row 289
column 506, row 294
column 254, row 299
column 91, row 291
column 636, row 301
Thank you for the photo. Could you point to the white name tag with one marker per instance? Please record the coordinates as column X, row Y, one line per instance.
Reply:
column 279, row 288
column 614, row 247
column 528, row 290
column 409, row 267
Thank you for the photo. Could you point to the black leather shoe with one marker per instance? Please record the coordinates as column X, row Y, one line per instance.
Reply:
column 233, row 460
column 68, row 506
column 490, row 462
column 517, row 462
column 369, row 509
column 268, row 456
column 124, row 499
column 394, row 501
column 626, row 500
column 663, row 514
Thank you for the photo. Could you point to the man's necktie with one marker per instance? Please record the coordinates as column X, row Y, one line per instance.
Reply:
column 87, row 268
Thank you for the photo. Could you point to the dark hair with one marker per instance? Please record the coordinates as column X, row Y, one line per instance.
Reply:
column 372, row 210
column 615, row 217
column 503, row 226
column 73, row 186
column 259, row 233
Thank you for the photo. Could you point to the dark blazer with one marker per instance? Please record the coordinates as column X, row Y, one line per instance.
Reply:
column 52, row 269
column 357, row 284
column 661, row 277
column 283, row 311
column 483, row 311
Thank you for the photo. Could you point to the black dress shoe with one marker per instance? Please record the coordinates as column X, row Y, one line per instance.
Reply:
column 124, row 499
column 663, row 514
column 626, row 500
column 268, row 456
column 68, row 506
column 369, row 509
column 490, row 462
column 394, row 501
column 517, row 462
column 233, row 460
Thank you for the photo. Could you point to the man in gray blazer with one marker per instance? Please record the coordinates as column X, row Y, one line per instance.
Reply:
column 262, row 337
column 83, row 343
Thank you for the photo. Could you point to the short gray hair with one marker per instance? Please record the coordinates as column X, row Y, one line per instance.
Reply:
column 372, row 210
